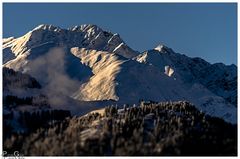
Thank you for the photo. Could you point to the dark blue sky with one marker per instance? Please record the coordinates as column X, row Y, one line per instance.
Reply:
column 201, row 30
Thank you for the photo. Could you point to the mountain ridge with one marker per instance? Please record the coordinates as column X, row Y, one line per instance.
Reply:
column 92, row 64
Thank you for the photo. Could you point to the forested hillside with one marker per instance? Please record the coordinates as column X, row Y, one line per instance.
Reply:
column 170, row 128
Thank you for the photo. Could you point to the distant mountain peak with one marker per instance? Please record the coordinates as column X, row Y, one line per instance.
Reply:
column 161, row 48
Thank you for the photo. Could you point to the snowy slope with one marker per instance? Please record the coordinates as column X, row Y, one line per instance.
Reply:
column 218, row 78
column 90, row 65
column 128, row 81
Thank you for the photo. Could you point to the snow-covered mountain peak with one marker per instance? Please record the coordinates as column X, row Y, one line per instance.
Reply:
column 87, row 36
column 46, row 27
column 161, row 48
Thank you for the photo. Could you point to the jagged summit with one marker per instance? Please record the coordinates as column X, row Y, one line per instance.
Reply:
column 90, row 28
column 87, row 36
column 49, row 27
column 163, row 48
column 160, row 47
column 85, row 27
column 78, row 28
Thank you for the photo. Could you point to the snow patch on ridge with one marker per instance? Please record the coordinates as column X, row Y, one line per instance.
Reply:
column 118, row 47
column 161, row 48
column 168, row 71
